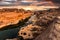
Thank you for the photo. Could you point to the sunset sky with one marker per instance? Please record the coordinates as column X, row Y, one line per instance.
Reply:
column 25, row 2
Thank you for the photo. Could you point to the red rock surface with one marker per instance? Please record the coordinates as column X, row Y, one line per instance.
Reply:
column 8, row 18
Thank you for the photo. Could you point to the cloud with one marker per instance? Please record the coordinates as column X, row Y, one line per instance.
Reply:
column 29, row 2
column 43, row 3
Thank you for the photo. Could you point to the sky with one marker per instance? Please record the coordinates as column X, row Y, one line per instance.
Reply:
column 15, row 0
column 20, row 2
column 25, row 2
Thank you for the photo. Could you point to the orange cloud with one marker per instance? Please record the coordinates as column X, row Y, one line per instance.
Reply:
column 29, row 0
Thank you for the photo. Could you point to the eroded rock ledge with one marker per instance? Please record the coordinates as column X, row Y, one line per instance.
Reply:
column 44, row 21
